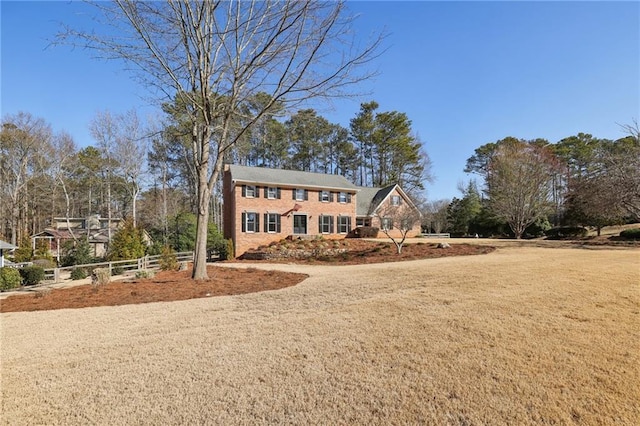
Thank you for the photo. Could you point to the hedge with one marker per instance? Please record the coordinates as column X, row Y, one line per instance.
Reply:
column 9, row 278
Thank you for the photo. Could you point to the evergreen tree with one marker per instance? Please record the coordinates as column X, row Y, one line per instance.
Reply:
column 127, row 243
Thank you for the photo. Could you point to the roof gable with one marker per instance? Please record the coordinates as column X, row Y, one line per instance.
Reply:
column 370, row 199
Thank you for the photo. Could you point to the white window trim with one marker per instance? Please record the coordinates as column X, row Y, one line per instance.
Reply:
column 396, row 198
column 342, row 197
column 340, row 224
column 246, row 191
column 299, row 194
column 274, row 195
column 275, row 223
column 322, row 194
column 246, row 222
column 322, row 218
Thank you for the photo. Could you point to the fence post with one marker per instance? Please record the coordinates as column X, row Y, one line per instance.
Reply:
column 56, row 275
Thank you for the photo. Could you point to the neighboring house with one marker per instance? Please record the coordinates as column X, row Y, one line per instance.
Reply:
column 95, row 228
column 264, row 205
column 5, row 246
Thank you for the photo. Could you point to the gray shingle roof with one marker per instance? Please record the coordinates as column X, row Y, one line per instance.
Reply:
column 370, row 198
column 6, row 246
column 291, row 178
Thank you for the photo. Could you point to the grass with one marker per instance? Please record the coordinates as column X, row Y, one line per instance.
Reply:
column 524, row 335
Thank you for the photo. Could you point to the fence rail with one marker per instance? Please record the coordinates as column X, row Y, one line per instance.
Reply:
column 440, row 235
column 55, row 275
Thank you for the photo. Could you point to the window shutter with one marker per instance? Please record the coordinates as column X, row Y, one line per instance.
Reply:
column 257, row 222
column 244, row 221
column 331, row 224
column 320, row 224
column 349, row 224
column 306, row 195
column 266, row 223
column 244, row 190
column 266, row 192
column 278, row 193
column 331, row 197
column 348, row 198
column 278, row 228
column 293, row 193
column 319, row 195
column 257, row 192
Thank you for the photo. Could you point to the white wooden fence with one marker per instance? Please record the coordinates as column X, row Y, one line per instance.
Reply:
column 55, row 275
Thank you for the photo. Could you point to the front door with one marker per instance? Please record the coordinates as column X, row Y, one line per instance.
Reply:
column 299, row 224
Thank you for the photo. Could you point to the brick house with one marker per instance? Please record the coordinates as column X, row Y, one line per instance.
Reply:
column 264, row 205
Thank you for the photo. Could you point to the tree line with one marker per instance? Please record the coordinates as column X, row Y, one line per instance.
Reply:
column 528, row 186
column 145, row 171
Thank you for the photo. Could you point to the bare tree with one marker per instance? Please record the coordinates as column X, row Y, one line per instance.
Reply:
column 215, row 55
column 23, row 140
column 435, row 215
column 520, row 183
column 129, row 153
column 398, row 221
column 622, row 165
column 63, row 156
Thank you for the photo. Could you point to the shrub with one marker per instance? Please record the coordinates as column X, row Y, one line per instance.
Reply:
column 566, row 232
column 9, row 278
column 76, row 253
column 364, row 232
column 155, row 248
column 78, row 273
column 631, row 234
column 101, row 276
column 44, row 263
column 32, row 275
column 117, row 270
column 145, row 273
column 23, row 253
column 168, row 260
column 230, row 254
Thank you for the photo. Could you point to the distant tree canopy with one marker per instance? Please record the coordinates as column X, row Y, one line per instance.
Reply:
column 581, row 180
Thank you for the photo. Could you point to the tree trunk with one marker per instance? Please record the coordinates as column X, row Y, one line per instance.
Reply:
column 200, row 254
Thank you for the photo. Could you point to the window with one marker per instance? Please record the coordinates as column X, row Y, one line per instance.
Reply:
column 387, row 223
column 325, row 224
column 325, row 196
column 250, row 222
column 249, row 191
column 272, row 222
column 272, row 193
column 300, row 194
column 395, row 200
column 342, row 197
column 344, row 224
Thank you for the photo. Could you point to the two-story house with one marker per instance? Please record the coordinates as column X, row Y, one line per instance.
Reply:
column 94, row 228
column 264, row 205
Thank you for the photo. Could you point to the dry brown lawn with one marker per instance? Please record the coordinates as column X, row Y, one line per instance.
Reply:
column 523, row 335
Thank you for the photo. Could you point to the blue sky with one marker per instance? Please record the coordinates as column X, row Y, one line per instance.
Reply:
column 466, row 73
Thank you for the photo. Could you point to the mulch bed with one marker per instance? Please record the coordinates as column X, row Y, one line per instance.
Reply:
column 168, row 286
column 364, row 252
